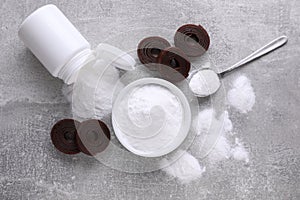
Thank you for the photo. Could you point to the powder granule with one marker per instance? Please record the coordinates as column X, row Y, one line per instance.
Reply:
column 241, row 96
column 221, row 150
column 227, row 124
column 185, row 169
column 204, row 120
column 239, row 152
column 203, row 125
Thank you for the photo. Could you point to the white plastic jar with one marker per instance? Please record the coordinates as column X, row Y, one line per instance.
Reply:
column 66, row 54
column 60, row 47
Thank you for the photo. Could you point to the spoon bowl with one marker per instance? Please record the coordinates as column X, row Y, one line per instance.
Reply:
column 204, row 82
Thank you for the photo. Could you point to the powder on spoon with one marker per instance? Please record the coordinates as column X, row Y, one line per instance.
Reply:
column 205, row 82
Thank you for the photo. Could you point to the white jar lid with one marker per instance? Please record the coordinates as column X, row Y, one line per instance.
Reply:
column 146, row 135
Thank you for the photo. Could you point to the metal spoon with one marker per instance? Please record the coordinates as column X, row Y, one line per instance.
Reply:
column 210, row 80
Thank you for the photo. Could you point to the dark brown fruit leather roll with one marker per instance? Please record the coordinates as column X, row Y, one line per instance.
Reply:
column 63, row 136
column 173, row 64
column 192, row 39
column 149, row 49
column 93, row 137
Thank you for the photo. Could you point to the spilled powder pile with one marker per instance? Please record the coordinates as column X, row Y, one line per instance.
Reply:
column 203, row 122
column 105, row 91
column 241, row 96
column 227, row 146
column 221, row 151
column 224, row 149
column 205, row 119
column 207, row 124
column 185, row 169
column 99, row 106
column 239, row 152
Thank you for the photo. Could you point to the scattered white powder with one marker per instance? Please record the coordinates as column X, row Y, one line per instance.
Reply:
column 239, row 152
column 105, row 91
column 227, row 124
column 185, row 169
column 223, row 148
column 92, row 94
column 204, row 82
column 204, row 120
column 241, row 96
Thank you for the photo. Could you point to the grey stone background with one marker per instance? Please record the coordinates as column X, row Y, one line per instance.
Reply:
column 31, row 101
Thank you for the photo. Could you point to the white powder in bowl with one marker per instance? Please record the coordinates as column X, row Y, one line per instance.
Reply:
column 204, row 82
column 142, row 99
column 241, row 96
column 148, row 119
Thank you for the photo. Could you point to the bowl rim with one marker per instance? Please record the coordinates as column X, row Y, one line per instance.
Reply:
column 183, row 132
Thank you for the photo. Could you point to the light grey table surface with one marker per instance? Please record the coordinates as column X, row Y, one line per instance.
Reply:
column 31, row 101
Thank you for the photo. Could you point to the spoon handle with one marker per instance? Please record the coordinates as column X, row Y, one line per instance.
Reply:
column 278, row 42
